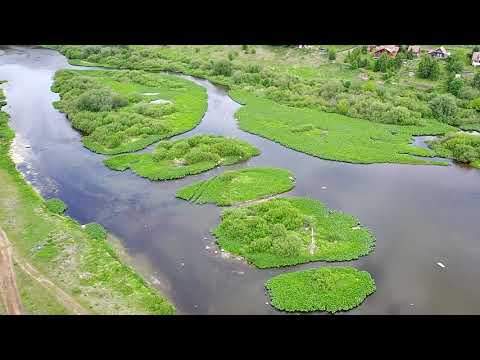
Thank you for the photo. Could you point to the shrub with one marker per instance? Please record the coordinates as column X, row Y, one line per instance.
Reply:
column 475, row 104
column 222, row 67
column 288, row 246
column 454, row 86
column 476, row 80
column 56, row 206
column 331, row 54
column 428, row 68
column 96, row 231
column 100, row 100
column 196, row 156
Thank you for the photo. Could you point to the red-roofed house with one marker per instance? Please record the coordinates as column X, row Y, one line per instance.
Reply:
column 390, row 50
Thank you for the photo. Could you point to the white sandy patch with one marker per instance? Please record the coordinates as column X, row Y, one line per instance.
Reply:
column 150, row 94
column 160, row 101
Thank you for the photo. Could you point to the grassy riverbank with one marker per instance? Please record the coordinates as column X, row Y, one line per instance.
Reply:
column 125, row 111
column 180, row 158
column 329, row 289
column 291, row 231
column 240, row 185
column 84, row 267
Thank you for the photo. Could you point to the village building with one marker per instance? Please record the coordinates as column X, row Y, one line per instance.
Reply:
column 415, row 50
column 390, row 50
column 440, row 52
column 476, row 59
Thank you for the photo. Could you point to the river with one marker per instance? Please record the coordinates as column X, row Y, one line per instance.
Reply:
column 420, row 214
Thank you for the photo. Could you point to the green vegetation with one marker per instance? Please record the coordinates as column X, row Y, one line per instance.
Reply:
column 56, row 206
column 240, row 185
column 305, row 79
column 180, row 158
column 86, row 268
column 291, row 231
column 125, row 111
column 36, row 300
column 324, row 289
column 333, row 136
column 96, row 231
column 463, row 147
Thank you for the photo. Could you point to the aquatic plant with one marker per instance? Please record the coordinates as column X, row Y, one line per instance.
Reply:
column 238, row 185
column 328, row 289
column 56, row 206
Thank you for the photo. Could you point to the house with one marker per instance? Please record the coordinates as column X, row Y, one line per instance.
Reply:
column 440, row 52
column 415, row 50
column 476, row 58
column 390, row 50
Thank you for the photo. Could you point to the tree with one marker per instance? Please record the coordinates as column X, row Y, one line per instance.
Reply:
column 454, row 86
column 476, row 81
column 444, row 107
column 382, row 63
column 428, row 68
column 454, row 64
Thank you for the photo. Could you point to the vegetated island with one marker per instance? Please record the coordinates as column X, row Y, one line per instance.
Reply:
column 78, row 261
column 237, row 186
column 328, row 289
column 289, row 231
column 461, row 146
column 125, row 111
column 180, row 158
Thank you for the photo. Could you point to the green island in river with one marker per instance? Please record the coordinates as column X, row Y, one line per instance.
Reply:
column 237, row 186
column 328, row 289
column 81, row 266
column 125, row 111
column 180, row 158
column 290, row 231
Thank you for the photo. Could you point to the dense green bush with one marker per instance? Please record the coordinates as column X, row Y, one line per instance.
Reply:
column 222, row 67
column 56, row 206
column 455, row 86
column 462, row 147
column 444, row 108
column 476, row 80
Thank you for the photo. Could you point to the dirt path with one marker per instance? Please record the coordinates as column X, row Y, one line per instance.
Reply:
column 61, row 295
column 8, row 287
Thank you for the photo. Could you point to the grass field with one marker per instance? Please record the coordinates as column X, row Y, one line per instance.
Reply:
column 240, row 185
column 333, row 136
column 180, row 158
column 290, row 231
column 125, row 111
column 86, row 268
column 328, row 289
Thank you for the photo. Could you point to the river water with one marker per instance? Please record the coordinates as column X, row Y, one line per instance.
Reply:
column 421, row 215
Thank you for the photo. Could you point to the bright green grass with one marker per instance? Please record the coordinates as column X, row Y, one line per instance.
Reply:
column 239, row 185
column 180, row 158
column 57, row 246
column 328, row 289
column 56, row 206
column 278, row 232
column 37, row 300
column 96, row 231
column 332, row 136
column 132, row 122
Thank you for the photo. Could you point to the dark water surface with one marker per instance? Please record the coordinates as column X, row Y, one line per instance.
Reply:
column 420, row 215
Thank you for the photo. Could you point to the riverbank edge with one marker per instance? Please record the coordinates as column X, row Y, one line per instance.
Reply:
column 8, row 167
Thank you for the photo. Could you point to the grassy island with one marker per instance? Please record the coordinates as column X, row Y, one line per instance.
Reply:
column 180, row 158
column 328, row 289
column 461, row 146
column 125, row 111
column 240, row 185
column 290, row 231
column 50, row 245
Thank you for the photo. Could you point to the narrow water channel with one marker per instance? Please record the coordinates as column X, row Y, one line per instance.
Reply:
column 420, row 215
